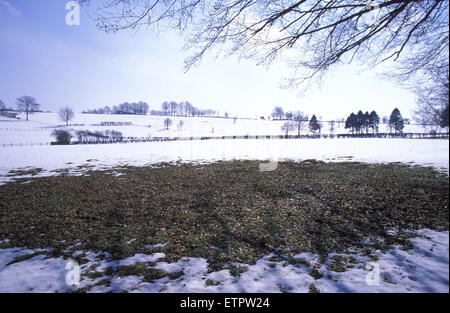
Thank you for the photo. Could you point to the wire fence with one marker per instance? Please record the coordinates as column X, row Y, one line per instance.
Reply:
column 24, row 144
column 197, row 138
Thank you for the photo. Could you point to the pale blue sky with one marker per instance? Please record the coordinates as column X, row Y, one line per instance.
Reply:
column 85, row 68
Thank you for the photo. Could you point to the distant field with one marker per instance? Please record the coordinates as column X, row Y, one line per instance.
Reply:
column 38, row 129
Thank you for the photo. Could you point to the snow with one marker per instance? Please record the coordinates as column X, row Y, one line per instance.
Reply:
column 35, row 134
column 421, row 269
column 50, row 158
column 34, row 275
column 424, row 268
column 40, row 126
column 141, row 258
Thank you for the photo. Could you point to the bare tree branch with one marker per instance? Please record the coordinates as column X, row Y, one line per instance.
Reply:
column 319, row 34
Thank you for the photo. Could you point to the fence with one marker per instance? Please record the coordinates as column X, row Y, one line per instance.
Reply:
column 315, row 136
column 24, row 144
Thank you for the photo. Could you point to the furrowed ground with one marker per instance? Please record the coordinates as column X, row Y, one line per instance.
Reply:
column 226, row 211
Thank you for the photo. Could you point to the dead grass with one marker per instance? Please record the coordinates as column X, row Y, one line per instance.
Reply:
column 225, row 212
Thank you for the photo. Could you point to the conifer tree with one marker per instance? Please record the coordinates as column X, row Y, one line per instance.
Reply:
column 396, row 121
column 313, row 124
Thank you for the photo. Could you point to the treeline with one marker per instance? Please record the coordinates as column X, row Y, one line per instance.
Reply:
column 298, row 121
column 64, row 136
column 183, row 108
column 86, row 136
column 362, row 122
column 137, row 108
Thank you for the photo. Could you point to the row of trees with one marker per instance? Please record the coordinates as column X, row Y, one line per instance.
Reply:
column 137, row 108
column 299, row 121
column 184, row 108
column 84, row 136
column 358, row 123
column 361, row 122
column 168, row 108
column 64, row 136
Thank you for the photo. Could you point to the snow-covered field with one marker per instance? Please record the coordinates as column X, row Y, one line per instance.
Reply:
column 38, row 129
column 51, row 158
column 421, row 269
column 424, row 268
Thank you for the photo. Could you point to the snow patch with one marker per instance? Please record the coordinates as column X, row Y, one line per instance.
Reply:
column 424, row 268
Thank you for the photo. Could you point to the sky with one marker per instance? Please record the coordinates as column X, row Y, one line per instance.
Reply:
column 85, row 68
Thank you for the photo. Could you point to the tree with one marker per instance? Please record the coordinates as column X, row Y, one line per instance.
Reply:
column 27, row 104
column 313, row 124
column 278, row 113
column 332, row 123
column 180, row 125
column 323, row 33
column 66, row 114
column 351, row 122
column 444, row 117
column 2, row 106
column 289, row 115
column 374, row 120
column 433, row 100
column 188, row 108
column 167, row 123
column 366, row 122
column 396, row 121
column 300, row 119
column 287, row 127
column 181, row 108
column 165, row 107
column 359, row 121
column 173, row 105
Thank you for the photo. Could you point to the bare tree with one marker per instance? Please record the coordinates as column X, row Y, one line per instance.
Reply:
column 433, row 101
column 167, row 123
column 278, row 112
column 180, row 125
column 324, row 33
column 27, row 104
column 66, row 114
column 165, row 107
column 332, row 123
column 287, row 127
column 300, row 119
column 173, row 105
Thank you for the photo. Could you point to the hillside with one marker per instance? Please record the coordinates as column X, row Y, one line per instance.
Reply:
column 40, row 126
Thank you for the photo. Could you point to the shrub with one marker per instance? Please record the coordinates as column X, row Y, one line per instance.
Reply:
column 62, row 136
column 86, row 136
